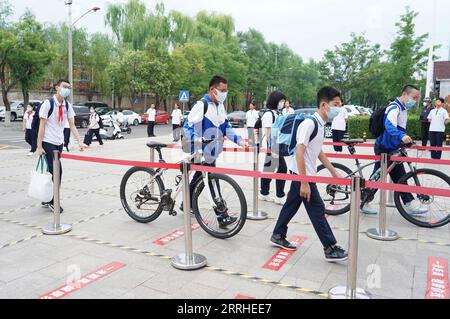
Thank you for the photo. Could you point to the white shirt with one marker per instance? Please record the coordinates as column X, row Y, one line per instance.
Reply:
column 28, row 119
column 267, row 122
column 94, row 119
column 54, row 130
column 151, row 115
column 287, row 112
column 177, row 117
column 339, row 122
column 313, row 148
column 252, row 117
column 438, row 118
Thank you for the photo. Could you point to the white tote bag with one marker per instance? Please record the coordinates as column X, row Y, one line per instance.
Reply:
column 41, row 184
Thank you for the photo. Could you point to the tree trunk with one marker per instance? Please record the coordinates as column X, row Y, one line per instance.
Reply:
column 26, row 98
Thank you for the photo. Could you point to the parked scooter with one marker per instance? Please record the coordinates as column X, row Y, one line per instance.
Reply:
column 113, row 131
column 125, row 127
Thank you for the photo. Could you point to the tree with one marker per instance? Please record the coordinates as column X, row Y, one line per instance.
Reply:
column 5, row 12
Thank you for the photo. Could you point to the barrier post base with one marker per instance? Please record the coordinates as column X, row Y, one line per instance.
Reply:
column 341, row 292
column 56, row 230
column 259, row 215
column 387, row 235
column 183, row 262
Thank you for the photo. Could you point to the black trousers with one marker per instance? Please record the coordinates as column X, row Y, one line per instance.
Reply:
column 271, row 165
column 338, row 136
column 96, row 132
column 66, row 137
column 151, row 129
column 397, row 173
column 176, row 132
column 425, row 133
column 49, row 148
column 316, row 212
column 437, row 140
column 31, row 138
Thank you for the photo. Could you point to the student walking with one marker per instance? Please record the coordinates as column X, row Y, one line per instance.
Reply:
column 52, row 115
column 251, row 117
column 177, row 119
column 30, row 134
column 438, row 120
column 94, row 128
column 427, row 108
column 308, row 152
column 339, row 126
column 275, row 103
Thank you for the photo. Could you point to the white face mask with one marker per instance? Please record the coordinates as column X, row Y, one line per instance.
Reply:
column 221, row 96
column 29, row 109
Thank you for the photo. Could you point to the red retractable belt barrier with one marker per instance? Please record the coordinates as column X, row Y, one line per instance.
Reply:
column 275, row 176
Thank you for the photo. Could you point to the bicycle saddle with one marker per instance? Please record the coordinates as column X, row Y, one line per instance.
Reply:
column 156, row 145
column 352, row 142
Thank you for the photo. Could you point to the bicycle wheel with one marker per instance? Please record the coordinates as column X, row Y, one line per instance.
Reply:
column 229, row 200
column 139, row 201
column 335, row 197
column 438, row 207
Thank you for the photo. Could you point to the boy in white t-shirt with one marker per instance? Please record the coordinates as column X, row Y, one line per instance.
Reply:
column 51, row 126
column 177, row 121
column 438, row 120
column 251, row 117
column 308, row 152
column 30, row 134
column 339, row 127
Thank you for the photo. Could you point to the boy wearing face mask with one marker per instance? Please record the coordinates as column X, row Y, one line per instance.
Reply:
column 427, row 107
column 94, row 128
column 30, row 134
column 51, row 126
column 208, row 119
column 308, row 152
column 395, row 120
column 438, row 120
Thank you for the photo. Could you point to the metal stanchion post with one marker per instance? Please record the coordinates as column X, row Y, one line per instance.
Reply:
column 390, row 197
column 351, row 291
column 256, row 214
column 189, row 260
column 381, row 233
column 56, row 228
column 152, row 160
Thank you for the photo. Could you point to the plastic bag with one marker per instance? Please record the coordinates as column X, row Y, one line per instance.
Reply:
column 41, row 183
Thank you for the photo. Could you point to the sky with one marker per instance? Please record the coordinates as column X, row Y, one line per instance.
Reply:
column 309, row 27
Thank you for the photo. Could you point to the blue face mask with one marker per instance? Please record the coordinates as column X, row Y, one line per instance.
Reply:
column 65, row 92
column 332, row 113
column 280, row 106
column 410, row 104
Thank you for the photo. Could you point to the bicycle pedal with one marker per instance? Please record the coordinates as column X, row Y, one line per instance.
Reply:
column 173, row 213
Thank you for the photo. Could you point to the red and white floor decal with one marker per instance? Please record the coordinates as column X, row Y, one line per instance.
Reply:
column 438, row 286
column 174, row 236
column 282, row 256
column 242, row 297
column 65, row 290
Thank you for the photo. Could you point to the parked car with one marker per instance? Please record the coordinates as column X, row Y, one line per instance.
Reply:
column 17, row 109
column 82, row 114
column 162, row 117
column 132, row 117
column 100, row 107
column 364, row 111
column 237, row 119
column 353, row 110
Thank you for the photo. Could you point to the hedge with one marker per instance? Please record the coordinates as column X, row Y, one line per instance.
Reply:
column 358, row 125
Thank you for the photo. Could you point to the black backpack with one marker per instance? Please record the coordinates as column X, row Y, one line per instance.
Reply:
column 258, row 124
column 376, row 123
column 36, row 120
column 100, row 122
column 186, row 142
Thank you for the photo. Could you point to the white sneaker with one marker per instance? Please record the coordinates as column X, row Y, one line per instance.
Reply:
column 30, row 154
column 280, row 201
column 369, row 210
column 416, row 208
column 266, row 198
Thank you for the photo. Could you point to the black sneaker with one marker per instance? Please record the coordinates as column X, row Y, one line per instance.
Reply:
column 280, row 241
column 52, row 208
column 224, row 222
column 44, row 205
column 182, row 209
column 335, row 254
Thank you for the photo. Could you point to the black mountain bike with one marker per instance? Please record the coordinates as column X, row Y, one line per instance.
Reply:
column 337, row 198
column 218, row 201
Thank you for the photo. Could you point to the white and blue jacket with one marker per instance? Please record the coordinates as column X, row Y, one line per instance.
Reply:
column 212, row 125
column 395, row 120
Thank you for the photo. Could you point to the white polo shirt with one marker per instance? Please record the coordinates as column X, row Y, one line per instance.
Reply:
column 438, row 118
column 151, row 115
column 339, row 122
column 54, row 129
column 313, row 148
column 28, row 119
column 176, row 117
column 252, row 117
column 287, row 112
column 267, row 121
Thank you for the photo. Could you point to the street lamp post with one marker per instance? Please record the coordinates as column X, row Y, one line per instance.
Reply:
column 71, row 25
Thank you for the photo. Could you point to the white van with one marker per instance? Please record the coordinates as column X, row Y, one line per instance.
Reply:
column 17, row 109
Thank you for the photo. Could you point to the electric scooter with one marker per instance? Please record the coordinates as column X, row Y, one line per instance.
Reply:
column 112, row 131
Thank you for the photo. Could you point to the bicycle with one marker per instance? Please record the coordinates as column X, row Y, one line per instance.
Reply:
column 337, row 198
column 221, row 210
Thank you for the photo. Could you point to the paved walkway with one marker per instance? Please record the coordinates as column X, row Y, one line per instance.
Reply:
column 32, row 264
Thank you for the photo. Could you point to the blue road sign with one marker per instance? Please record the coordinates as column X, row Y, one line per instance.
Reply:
column 184, row 96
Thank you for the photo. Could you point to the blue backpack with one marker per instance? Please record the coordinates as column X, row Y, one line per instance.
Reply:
column 283, row 137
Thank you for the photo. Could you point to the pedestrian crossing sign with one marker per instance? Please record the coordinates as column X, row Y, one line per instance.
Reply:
column 184, row 97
